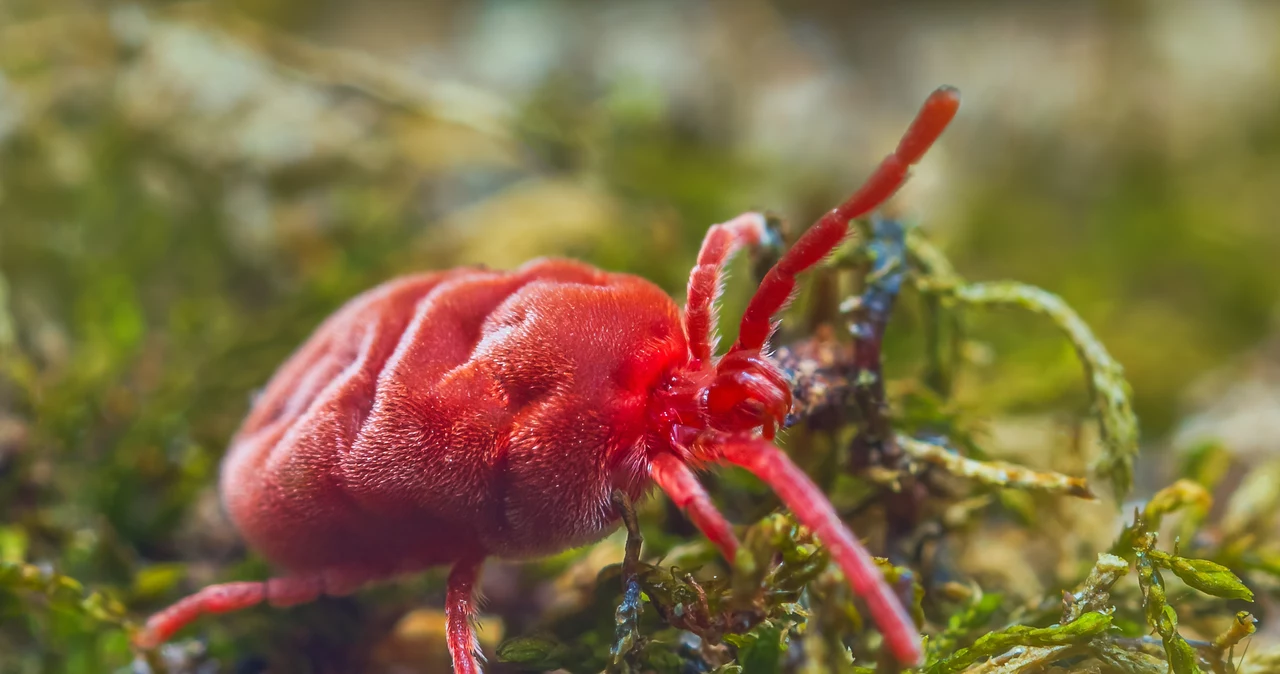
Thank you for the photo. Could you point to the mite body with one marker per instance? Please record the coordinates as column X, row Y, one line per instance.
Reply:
column 447, row 417
column 454, row 414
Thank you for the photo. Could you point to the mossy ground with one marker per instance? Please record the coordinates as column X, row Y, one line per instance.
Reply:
column 185, row 194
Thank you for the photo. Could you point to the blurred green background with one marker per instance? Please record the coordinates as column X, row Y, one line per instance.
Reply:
column 186, row 189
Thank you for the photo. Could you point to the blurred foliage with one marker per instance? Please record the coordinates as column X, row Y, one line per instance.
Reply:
column 185, row 193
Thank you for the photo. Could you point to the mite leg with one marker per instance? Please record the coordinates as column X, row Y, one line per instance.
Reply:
column 682, row 486
column 225, row 598
column 776, row 288
column 813, row 510
column 460, row 611
column 721, row 242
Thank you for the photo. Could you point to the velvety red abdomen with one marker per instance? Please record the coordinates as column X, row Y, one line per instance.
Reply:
column 461, row 412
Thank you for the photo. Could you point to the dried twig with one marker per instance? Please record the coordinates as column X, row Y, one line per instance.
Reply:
column 1095, row 593
column 888, row 267
column 627, row 616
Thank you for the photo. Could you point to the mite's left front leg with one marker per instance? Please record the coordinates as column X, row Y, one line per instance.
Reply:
column 721, row 242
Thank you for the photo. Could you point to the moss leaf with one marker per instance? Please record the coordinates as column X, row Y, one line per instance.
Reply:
column 1082, row 630
column 1208, row 577
column 534, row 651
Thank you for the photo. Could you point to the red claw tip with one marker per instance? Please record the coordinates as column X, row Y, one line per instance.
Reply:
column 936, row 113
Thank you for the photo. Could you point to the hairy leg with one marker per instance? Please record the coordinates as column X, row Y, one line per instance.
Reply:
column 812, row 508
column 460, row 611
column 720, row 243
column 678, row 481
column 827, row 233
column 228, row 597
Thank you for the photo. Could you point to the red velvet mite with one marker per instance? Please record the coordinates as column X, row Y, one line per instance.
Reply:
column 452, row 416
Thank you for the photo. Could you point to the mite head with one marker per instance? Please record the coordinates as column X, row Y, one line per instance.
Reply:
column 747, row 393
column 727, row 410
